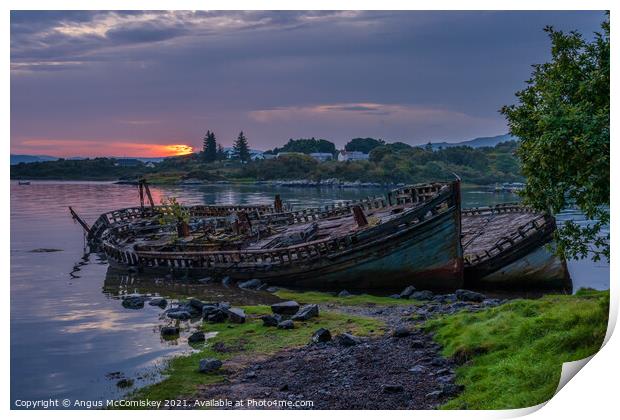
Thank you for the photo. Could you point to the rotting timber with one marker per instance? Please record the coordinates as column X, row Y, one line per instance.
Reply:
column 415, row 235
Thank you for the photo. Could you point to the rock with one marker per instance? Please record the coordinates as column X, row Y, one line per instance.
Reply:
column 169, row 331
column 417, row 369
column 271, row 320
column 401, row 332
column 286, row 325
column 179, row 313
column 196, row 304
column 285, row 308
column 346, row 339
column 206, row 280
column 125, row 383
column 133, row 302
column 394, row 296
column 250, row 284
column 236, row 315
column 262, row 286
column 469, row 296
column 209, row 309
column 223, row 305
column 417, row 344
column 161, row 302
column 321, row 335
column 407, row 292
column 209, row 365
column 226, row 281
column 392, row 389
column 307, row 312
column 196, row 337
column 451, row 390
column 438, row 361
column 434, row 394
column 344, row 293
column 218, row 316
column 272, row 289
column 422, row 295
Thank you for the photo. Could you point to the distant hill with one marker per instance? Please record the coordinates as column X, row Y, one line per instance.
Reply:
column 17, row 159
column 478, row 142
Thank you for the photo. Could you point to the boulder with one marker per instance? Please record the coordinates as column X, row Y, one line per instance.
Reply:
column 209, row 309
column 422, row 295
column 169, row 331
column 407, row 292
column 226, row 281
column 209, row 365
column 392, row 388
column 417, row 369
column 307, row 312
column 286, row 325
column 161, row 302
column 321, row 335
column 133, row 302
column 236, row 315
column 206, row 280
column 469, row 296
column 401, row 332
column 285, row 308
column 125, row 383
column 196, row 337
column 344, row 293
column 271, row 320
column 272, row 289
column 223, row 305
column 346, row 339
column 434, row 394
column 394, row 296
column 250, row 284
column 218, row 316
column 179, row 313
column 196, row 304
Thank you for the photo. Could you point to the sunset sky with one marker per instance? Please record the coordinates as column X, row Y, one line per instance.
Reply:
column 151, row 83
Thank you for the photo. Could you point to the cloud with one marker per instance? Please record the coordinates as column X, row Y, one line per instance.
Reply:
column 119, row 148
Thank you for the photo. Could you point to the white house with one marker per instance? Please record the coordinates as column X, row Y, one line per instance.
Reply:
column 344, row 156
column 322, row 157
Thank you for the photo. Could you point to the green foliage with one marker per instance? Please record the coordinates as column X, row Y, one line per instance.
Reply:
column 176, row 214
column 511, row 356
column 241, row 148
column 209, row 147
column 306, row 146
column 247, row 341
column 562, row 119
column 364, row 145
column 324, row 298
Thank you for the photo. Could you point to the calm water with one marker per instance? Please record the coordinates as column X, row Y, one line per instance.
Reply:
column 68, row 328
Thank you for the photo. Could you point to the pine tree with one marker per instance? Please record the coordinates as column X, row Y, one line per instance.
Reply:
column 241, row 148
column 210, row 147
column 205, row 144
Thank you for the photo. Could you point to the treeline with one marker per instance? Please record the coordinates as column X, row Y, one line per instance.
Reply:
column 387, row 163
column 394, row 163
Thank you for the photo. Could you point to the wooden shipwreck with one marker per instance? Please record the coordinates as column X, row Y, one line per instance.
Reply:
column 415, row 235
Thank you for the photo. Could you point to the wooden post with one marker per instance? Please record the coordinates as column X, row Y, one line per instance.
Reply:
column 78, row 219
column 277, row 204
column 359, row 216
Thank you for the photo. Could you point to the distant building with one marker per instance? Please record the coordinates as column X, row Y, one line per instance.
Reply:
column 268, row 156
column 322, row 157
column 150, row 164
column 344, row 156
column 127, row 162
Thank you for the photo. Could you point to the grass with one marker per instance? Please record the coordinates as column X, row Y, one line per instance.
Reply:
column 248, row 339
column 353, row 300
column 512, row 355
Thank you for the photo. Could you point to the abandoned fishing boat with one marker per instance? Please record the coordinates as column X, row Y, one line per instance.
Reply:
column 506, row 246
column 412, row 236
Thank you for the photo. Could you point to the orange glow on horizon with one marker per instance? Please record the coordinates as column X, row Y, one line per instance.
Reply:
column 88, row 148
column 178, row 149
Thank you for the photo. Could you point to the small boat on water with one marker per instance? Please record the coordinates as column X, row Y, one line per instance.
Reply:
column 415, row 235
column 510, row 246
column 23, row 182
column 410, row 236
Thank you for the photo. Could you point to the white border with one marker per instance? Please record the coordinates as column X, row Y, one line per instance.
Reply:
column 592, row 394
